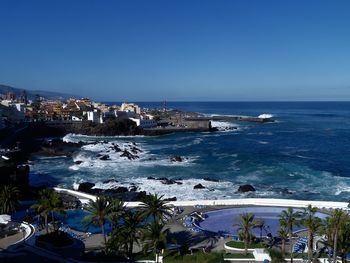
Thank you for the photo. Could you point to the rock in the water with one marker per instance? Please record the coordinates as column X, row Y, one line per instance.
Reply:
column 170, row 199
column 210, row 179
column 78, row 162
column 177, row 159
column 116, row 148
column 151, row 178
column 246, row 188
column 120, row 189
column 198, row 186
column 70, row 201
column 110, row 181
column 85, row 187
column 133, row 188
column 105, row 157
column 128, row 155
column 284, row 191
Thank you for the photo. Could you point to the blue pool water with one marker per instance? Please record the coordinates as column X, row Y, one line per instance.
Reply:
column 73, row 219
column 222, row 221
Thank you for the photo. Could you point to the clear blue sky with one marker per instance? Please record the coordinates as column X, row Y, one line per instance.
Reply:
column 178, row 50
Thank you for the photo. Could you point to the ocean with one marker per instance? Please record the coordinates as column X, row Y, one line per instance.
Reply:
column 304, row 154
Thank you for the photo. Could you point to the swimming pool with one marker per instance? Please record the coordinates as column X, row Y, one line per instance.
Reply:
column 73, row 218
column 222, row 221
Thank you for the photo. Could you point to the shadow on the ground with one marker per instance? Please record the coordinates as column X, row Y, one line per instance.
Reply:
column 186, row 238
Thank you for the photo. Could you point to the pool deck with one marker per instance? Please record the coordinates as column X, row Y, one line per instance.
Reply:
column 84, row 198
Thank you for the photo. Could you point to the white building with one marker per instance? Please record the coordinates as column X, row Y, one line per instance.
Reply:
column 142, row 123
column 95, row 116
column 21, row 107
column 132, row 107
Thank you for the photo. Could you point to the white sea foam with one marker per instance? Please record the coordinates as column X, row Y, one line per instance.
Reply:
column 265, row 116
column 185, row 190
column 263, row 142
column 75, row 138
column 225, row 125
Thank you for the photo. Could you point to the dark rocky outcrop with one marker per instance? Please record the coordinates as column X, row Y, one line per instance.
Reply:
column 78, row 162
column 177, row 159
column 169, row 181
column 198, row 186
column 110, row 181
column 70, row 201
column 105, row 157
column 85, row 187
column 171, row 199
column 283, row 191
column 246, row 188
column 120, row 189
column 128, row 155
column 210, row 179
column 57, row 147
column 164, row 180
column 133, row 188
column 116, row 148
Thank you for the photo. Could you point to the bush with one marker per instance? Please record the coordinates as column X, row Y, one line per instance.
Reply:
column 239, row 244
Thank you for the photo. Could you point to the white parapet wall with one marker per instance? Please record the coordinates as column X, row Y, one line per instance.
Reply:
column 229, row 202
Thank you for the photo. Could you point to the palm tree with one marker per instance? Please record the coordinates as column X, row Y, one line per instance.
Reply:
column 155, row 206
column 49, row 202
column 326, row 230
column 344, row 239
column 260, row 223
column 245, row 226
column 155, row 237
column 288, row 219
column 99, row 213
column 9, row 199
column 283, row 235
column 338, row 219
column 276, row 256
column 117, row 208
column 313, row 224
column 125, row 235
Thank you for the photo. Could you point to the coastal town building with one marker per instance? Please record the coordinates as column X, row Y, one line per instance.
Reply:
column 95, row 116
column 144, row 123
column 132, row 107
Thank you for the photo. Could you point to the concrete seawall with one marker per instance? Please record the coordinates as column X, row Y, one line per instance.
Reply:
column 230, row 202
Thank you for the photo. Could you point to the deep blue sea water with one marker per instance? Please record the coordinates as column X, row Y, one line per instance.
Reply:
column 303, row 155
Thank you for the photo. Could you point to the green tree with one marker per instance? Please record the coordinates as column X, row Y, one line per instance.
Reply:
column 288, row 219
column 155, row 237
column 344, row 239
column 49, row 202
column 127, row 234
column 245, row 226
column 326, row 230
column 9, row 199
column 283, row 235
column 260, row 223
column 154, row 206
column 277, row 256
column 312, row 224
column 338, row 220
column 116, row 211
column 99, row 210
